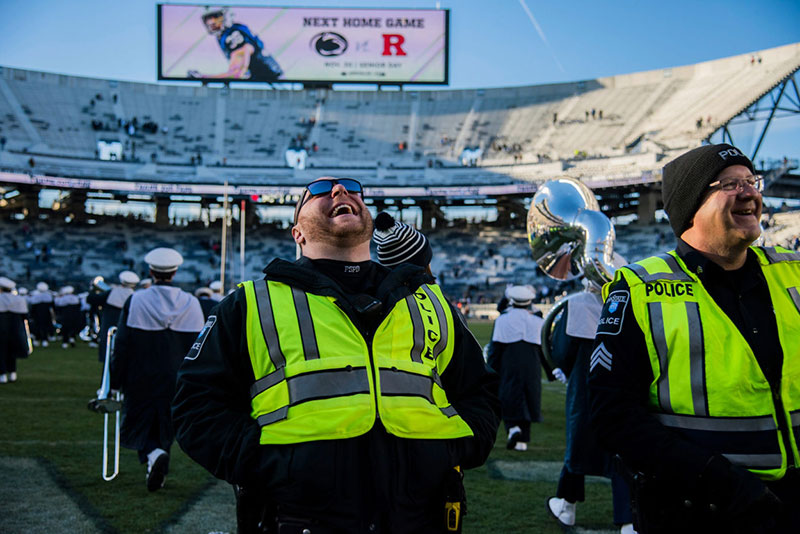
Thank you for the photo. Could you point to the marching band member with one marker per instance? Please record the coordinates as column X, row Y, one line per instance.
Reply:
column 111, row 303
column 207, row 301
column 42, row 313
column 69, row 315
column 13, row 337
column 156, row 329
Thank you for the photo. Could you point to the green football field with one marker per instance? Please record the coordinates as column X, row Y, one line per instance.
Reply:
column 51, row 463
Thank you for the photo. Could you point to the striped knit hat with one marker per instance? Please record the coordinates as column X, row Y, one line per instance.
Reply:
column 399, row 243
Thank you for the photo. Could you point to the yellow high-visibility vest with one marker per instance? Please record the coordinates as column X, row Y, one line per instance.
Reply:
column 707, row 382
column 318, row 378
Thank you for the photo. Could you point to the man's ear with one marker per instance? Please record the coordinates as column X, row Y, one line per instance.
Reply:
column 297, row 235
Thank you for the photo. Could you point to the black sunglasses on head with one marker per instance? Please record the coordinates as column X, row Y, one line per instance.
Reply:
column 324, row 187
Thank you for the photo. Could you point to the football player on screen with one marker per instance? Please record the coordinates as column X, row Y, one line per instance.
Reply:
column 244, row 51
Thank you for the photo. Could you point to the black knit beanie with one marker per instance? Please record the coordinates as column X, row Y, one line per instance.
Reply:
column 399, row 243
column 685, row 180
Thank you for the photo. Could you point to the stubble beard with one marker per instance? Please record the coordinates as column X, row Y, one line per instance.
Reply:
column 318, row 228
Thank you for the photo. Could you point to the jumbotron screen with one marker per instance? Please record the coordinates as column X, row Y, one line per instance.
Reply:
column 282, row 44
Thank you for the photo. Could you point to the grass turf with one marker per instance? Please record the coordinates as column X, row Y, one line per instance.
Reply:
column 50, row 440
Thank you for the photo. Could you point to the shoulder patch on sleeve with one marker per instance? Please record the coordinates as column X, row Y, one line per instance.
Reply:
column 194, row 352
column 613, row 313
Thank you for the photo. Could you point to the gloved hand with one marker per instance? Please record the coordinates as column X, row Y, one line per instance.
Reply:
column 559, row 375
column 194, row 74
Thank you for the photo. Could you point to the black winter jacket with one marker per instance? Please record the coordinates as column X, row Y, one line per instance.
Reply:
column 372, row 483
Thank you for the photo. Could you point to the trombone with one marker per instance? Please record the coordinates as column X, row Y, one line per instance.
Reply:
column 106, row 404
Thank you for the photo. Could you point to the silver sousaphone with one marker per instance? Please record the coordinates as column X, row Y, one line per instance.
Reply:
column 570, row 237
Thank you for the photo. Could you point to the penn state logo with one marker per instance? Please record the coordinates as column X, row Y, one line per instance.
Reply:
column 329, row 44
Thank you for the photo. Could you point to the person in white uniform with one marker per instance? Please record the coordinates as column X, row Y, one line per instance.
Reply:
column 110, row 303
column 156, row 329
column 14, row 342
column 515, row 354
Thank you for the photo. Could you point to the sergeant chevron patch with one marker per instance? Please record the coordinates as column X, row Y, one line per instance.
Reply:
column 600, row 356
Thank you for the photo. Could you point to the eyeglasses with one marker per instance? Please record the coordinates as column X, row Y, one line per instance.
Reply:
column 324, row 187
column 732, row 186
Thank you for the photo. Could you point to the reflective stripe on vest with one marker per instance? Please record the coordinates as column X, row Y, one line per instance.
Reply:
column 314, row 371
column 707, row 382
column 696, row 356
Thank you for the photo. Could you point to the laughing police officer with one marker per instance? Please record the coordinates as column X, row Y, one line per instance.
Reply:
column 695, row 374
column 343, row 392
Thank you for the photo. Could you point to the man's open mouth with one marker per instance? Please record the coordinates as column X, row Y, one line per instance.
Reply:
column 748, row 211
column 342, row 209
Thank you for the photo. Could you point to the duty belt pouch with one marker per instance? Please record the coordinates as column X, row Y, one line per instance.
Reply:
column 455, row 506
column 645, row 502
column 297, row 525
column 253, row 513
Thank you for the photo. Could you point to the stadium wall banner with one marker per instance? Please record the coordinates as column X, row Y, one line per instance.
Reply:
column 287, row 44
column 165, row 188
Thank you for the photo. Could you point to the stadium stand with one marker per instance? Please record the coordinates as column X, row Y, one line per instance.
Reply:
column 205, row 134
column 613, row 132
column 472, row 262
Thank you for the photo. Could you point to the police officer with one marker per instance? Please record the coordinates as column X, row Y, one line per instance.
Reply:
column 515, row 353
column 156, row 329
column 397, row 242
column 341, row 391
column 694, row 373
column 13, row 336
column 110, row 303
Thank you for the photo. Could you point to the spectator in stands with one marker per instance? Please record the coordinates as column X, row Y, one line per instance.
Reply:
column 243, row 50
column 515, row 354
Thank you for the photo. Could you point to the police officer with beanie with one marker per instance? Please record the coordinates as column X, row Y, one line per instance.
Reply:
column 397, row 243
column 156, row 330
column 342, row 393
column 695, row 373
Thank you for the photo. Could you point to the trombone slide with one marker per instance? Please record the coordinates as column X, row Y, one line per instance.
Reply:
column 108, row 404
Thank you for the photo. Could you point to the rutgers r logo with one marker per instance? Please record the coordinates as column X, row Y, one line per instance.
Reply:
column 730, row 152
column 393, row 44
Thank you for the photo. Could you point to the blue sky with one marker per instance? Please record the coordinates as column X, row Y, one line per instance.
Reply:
column 492, row 43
